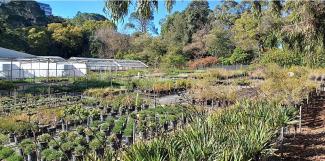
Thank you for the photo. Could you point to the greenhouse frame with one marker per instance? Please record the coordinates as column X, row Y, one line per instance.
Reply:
column 18, row 65
column 96, row 64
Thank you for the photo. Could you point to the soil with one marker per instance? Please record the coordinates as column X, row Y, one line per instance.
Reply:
column 309, row 145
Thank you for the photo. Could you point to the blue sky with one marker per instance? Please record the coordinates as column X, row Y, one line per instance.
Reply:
column 69, row 8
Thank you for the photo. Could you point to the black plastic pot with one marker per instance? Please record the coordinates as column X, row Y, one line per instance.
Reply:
column 11, row 137
column 76, row 157
column 42, row 145
column 129, row 140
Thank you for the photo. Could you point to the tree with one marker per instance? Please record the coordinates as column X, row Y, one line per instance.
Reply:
column 226, row 13
column 81, row 18
column 197, row 48
column 39, row 41
column 111, row 42
column 67, row 38
column 173, row 29
column 173, row 60
column 118, row 9
column 304, row 29
column 141, row 24
column 196, row 17
column 218, row 42
column 245, row 32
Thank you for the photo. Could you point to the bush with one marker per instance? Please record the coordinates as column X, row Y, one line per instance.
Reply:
column 15, row 157
column 6, row 152
column 173, row 61
column 203, row 62
column 7, row 85
column 28, row 146
column 51, row 154
column 281, row 57
column 239, row 56
column 44, row 138
column 128, row 132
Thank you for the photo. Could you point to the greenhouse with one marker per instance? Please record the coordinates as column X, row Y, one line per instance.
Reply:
column 40, row 66
column 96, row 64
column 18, row 65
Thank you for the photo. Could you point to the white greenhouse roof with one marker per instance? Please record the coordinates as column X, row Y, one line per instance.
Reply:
column 12, row 54
column 102, row 63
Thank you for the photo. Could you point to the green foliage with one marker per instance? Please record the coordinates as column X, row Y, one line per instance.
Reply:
column 239, row 56
column 119, row 124
column 237, row 133
column 281, row 57
column 15, row 157
column 173, row 61
column 51, row 154
column 218, row 42
column 245, row 32
column 6, row 152
column 81, row 18
column 27, row 146
column 7, row 85
column 128, row 131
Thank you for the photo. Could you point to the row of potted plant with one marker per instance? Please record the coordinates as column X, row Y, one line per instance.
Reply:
column 162, row 86
column 9, row 105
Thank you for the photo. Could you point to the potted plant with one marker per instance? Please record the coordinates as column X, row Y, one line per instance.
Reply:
column 54, row 144
column 97, row 146
column 6, row 152
column 119, row 126
column 88, row 132
column 14, row 157
column 78, row 153
column 113, row 140
column 29, row 149
column 128, row 131
column 52, row 155
column 67, row 148
column 43, row 141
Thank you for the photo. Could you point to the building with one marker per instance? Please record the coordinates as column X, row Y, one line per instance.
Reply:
column 19, row 65
column 96, row 64
column 46, row 8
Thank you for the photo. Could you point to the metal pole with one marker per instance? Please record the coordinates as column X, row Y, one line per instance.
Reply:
column 11, row 69
column 56, row 69
column 48, row 69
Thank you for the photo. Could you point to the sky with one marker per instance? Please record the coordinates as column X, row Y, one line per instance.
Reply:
column 69, row 8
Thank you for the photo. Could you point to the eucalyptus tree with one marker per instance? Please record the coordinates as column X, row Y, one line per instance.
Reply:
column 118, row 9
column 304, row 29
column 141, row 24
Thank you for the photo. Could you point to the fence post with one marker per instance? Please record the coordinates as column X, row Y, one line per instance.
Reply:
column 300, row 115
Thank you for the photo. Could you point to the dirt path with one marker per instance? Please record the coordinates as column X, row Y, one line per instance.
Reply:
column 309, row 145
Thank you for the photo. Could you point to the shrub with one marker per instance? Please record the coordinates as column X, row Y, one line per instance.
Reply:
column 128, row 132
column 95, row 144
column 6, row 152
column 173, row 61
column 202, row 62
column 119, row 124
column 281, row 57
column 44, row 138
column 14, row 157
column 7, row 85
column 51, row 154
column 28, row 146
